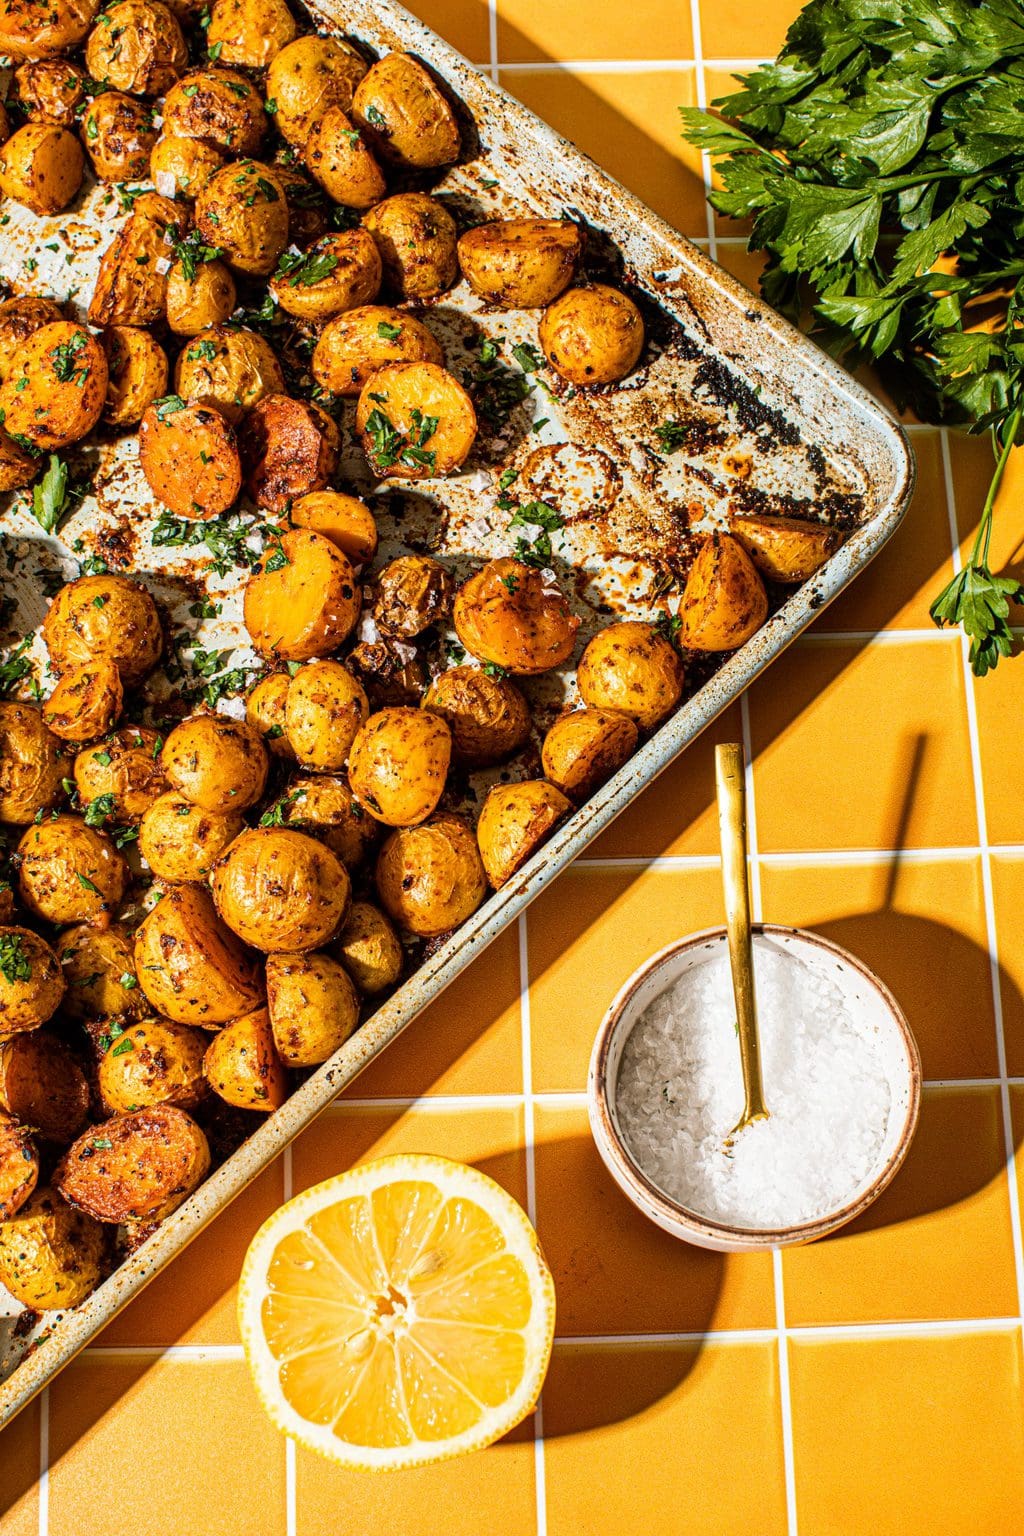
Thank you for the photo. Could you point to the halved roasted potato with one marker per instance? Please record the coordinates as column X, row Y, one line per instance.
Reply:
column 135, row 1167
column 152, row 1061
column 243, row 211
column 345, row 520
column 306, row 78
column 51, row 1256
column 398, row 765
column 191, row 967
column 43, row 1086
column 137, row 46
column 279, row 890
column 325, row 806
column 416, row 421
column 70, row 873
column 417, row 239
column 354, row 346
column 131, row 286
column 219, row 764
column 108, row 617
column 584, row 747
column 515, row 617
column 249, row 33
column 242, row 1064
column 370, row 949
column 724, row 600
column 56, row 389
column 189, row 456
column 99, row 967
column 313, row 1007
column 221, row 106
column 488, row 716
column 515, row 820
column 338, row 156
column 430, row 878
column 194, row 304
column 137, row 368
column 521, row 263
column 324, row 710
column 122, row 776
column 632, row 668
column 230, row 368
column 119, row 134
column 406, row 113
column 290, row 448
column 33, row 763
column 265, row 711
column 592, row 335
column 301, row 601
column 41, row 167
column 31, row 980
column 19, row 1163
column 86, row 701
column 181, row 842
column 785, row 549
column 339, row 272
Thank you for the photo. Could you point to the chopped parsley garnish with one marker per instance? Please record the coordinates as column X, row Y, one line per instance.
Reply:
column 276, row 816
column 536, row 552
column 304, row 271
column 389, row 446
column 672, row 435
column 191, row 251
column 14, row 962
column 99, row 810
column 388, row 332
column 375, row 117
column 50, row 494
column 168, row 406
column 64, row 357
column 202, row 351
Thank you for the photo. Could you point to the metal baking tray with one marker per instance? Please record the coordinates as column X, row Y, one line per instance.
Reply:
column 775, row 425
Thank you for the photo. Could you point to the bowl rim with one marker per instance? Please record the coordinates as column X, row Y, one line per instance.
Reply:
column 652, row 1200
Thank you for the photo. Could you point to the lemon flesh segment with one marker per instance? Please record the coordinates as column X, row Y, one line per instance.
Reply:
column 398, row 1314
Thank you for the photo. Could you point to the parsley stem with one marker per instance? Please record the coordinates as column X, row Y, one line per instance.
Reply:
column 1006, row 437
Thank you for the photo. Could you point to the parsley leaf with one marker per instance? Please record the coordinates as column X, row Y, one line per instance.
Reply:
column 50, row 494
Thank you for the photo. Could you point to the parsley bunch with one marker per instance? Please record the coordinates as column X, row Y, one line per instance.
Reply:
column 881, row 158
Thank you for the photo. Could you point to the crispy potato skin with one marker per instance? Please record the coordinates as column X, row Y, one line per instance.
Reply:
column 413, row 592
column 242, row 1065
column 592, row 335
column 155, row 1159
column 521, row 263
column 355, row 345
column 51, row 1256
column 307, row 77
column 225, row 109
column 324, row 709
column 243, row 210
column 27, row 32
column 70, row 873
column 370, row 949
column 17, row 468
column 19, row 1164
column 110, row 618
column 515, row 820
column 786, row 549
column 338, row 157
column 430, row 392
column 61, row 370
column 219, row 764
column 35, row 989
column 119, row 136
column 280, row 890
column 229, row 369
column 98, row 965
column 354, row 280
column 137, row 46
column 417, row 239
column 398, row 765
column 290, row 448
column 631, row 668
column 326, row 806
column 20, row 318
column 250, row 32
column 181, row 842
column 430, row 878
column 195, row 304
column 86, row 701
column 181, row 167
column 488, row 716
column 190, row 459
column 49, row 90
column 42, row 1085
column 33, row 763
column 419, row 128
column 515, row 617
column 126, row 766
column 584, row 747
column 265, row 712
column 724, row 600
column 190, row 966
column 41, row 167
column 130, row 287
column 137, row 368
column 345, row 520
column 153, row 1061
column 313, row 1007
column 306, row 607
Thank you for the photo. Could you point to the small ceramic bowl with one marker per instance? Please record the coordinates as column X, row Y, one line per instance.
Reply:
column 868, row 1001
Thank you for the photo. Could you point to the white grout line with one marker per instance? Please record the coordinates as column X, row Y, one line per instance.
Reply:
column 700, row 86
column 529, row 1145
column 44, row 1462
column 290, row 1507
column 811, row 858
column 625, row 66
column 987, row 892
column 492, row 38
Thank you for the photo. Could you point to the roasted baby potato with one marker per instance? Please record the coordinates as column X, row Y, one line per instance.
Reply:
column 153, row 1061
column 50, row 90
column 137, row 373
column 406, row 114
column 370, row 949
column 119, row 135
column 19, row 1163
column 345, row 520
column 218, row 105
column 279, row 890
column 228, row 368
column 99, row 968
column 131, row 286
column 413, row 592
column 136, row 46
column 395, row 415
column 324, row 709
column 515, row 820
column 430, row 878
column 304, row 607
column 417, row 240
column 631, row 668
column 195, row 304
column 313, row 1007
column 109, row 618
column 309, row 76
column 338, row 157
column 290, row 447
column 190, row 966
column 33, row 764
column 398, row 765
column 242, row 1064
column 327, row 807
column 488, row 717
column 521, row 263
column 786, row 549
column 243, row 211
column 41, row 167
column 724, row 600
column 181, row 167
column 585, row 747
column 123, row 773
column 250, row 33
column 592, row 335
column 31, row 981
column 86, row 701
column 20, row 318
column 57, row 387
column 339, row 272
column 355, row 345
column 51, row 1256
column 181, row 842
column 189, row 456
column 42, row 1085
column 17, row 468
column 70, row 873
column 135, row 1167
column 218, row 764
column 265, row 711
column 28, row 31
column 515, row 617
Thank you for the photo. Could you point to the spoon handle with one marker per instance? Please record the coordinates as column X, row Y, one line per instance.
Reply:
column 732, row 831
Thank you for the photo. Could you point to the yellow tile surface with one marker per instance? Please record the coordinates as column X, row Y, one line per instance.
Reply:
column 19, row 1485
column 1008, row 895
column 536, row 31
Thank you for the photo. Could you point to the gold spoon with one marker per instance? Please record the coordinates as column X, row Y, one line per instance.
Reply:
column 732, row 833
